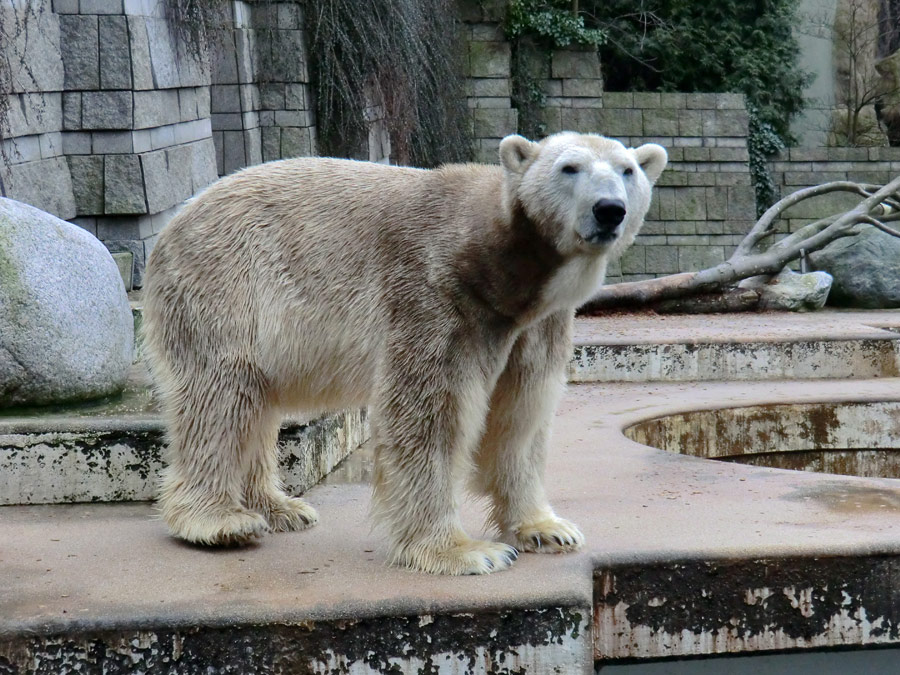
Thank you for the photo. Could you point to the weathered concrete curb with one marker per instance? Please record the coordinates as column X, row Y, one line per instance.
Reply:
column 644, row 347
column 84, row 459
column 844, row 437
column 507, row 641
column 702, row 607
column 690, row 362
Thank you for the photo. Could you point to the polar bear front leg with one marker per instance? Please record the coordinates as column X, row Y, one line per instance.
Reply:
column 429, row 412
column 513, row 451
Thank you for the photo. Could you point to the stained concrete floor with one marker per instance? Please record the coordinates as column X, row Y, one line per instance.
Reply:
column 105, row 565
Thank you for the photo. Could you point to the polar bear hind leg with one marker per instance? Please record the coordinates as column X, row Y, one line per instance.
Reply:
column 211, row 417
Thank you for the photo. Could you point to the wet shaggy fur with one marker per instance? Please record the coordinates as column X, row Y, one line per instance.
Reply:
column 443, row 299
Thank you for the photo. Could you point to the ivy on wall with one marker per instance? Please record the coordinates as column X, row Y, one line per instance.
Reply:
column 557, row 22
column 743, row 46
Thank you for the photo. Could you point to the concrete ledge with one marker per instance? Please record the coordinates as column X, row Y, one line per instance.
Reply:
column 694, row 608
column 510, row 641
column 91, row 460
column 764, row 346
column 113, row 450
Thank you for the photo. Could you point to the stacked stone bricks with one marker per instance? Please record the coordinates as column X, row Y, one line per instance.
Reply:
column 136, row 128
column 489, row 86
column 261, row 102
column 35, row 168
column 704, row 202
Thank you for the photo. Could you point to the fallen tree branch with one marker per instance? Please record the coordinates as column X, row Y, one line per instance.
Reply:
column 879, row 206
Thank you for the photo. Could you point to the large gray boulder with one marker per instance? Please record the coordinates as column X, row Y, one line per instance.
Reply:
column 794, row 292
column 66, row 329
column 866, row 270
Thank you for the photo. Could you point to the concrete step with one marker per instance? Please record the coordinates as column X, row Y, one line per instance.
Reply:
column 112, row 450
column 646, row 347
column 685, row 557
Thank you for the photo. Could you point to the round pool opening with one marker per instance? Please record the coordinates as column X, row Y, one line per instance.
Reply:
column 848, row 438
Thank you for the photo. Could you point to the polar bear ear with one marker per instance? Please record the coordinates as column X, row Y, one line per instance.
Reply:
column 516, row 152
column 653, row 159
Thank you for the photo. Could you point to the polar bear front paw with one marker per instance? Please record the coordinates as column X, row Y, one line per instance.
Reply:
column 548, row 535
column 290, row 514
column 471, row 557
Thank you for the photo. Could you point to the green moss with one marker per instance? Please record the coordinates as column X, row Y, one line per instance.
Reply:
column 12, row 291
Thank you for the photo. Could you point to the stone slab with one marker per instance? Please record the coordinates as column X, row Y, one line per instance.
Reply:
column 45, row 183
column 35, row 113
column 31, row 33
column 123, row 185
column 87, row 183
column 106, row 110
column 115, row 53
column 79, row 42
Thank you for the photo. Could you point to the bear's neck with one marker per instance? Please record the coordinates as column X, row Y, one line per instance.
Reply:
column 510, row 265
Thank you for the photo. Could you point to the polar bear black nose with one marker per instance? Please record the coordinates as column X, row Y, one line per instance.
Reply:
column 609, row 213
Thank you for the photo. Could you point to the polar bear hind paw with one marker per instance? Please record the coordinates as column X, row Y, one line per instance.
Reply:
column 290, row 514
column 219, row 526
column 548, row 535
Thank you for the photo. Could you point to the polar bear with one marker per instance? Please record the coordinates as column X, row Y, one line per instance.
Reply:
column 444, row 299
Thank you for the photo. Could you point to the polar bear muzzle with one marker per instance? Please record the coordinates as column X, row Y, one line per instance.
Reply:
column 609, row 214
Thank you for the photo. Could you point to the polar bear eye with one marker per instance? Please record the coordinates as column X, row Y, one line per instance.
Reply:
column 570, row 169
column 628, row 171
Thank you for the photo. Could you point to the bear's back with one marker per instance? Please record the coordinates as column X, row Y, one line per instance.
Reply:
column 293, row 264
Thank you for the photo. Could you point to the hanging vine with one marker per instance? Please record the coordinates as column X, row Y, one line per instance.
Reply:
column 403, row 55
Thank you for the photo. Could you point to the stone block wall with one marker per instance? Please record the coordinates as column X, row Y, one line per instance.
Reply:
column 34, row 168
column 798, row 168
column 489, row 86
column 136, row 128
column 114, row 122
column 572, row 85
column 262, row 106
column 570, row 82
column 704, row 202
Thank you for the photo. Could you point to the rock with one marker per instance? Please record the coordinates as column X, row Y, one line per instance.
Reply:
column 794, row 292
column 866, row 270
column 66, row 329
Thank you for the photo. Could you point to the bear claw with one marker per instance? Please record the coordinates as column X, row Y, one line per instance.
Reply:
column 470, row 557
column 550, row 535
column 291, row 514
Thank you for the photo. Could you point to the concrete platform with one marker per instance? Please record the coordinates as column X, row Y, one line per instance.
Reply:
column 685, row 556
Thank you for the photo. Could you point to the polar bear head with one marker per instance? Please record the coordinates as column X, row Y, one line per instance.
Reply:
column 586, row 193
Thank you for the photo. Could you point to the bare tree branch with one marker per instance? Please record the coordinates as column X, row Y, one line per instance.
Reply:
column 878, row 207
column 763, row 227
